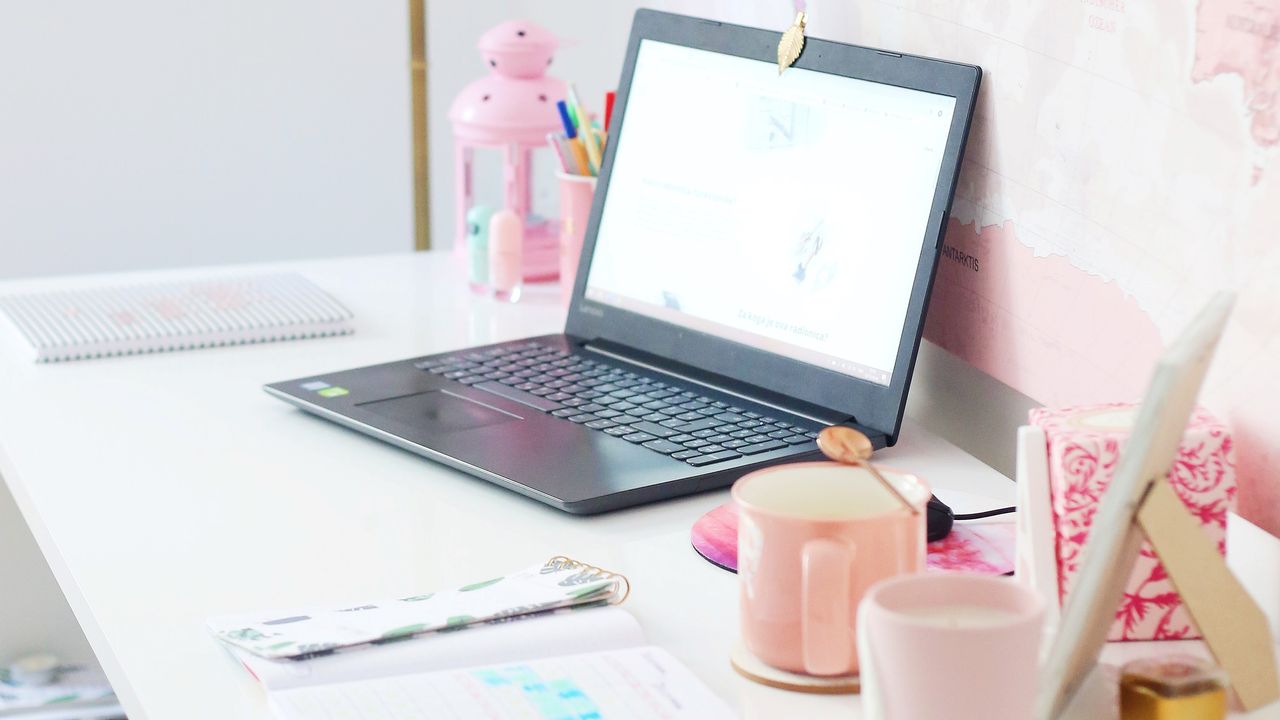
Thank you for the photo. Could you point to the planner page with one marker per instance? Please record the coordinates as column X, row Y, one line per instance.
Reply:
column 643, row 683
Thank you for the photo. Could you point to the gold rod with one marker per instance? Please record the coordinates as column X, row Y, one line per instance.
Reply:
column 418, row 78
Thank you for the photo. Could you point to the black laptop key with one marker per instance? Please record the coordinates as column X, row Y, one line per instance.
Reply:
column 760, row 447
column 510, row 381
column 689, row 416
column 664, row 446
column 695, row 443
column 685, row 454
column 654, row 417
column 558, row 397
column 618, row 431
column 657, row 405
column 732, row 444
column 582, row 418
column 681, row 438
column 653, row 429
column 795, row 439
column 721, row 456
column 719, row 438
column 703, row 424
column 592, row 407
column 779, row 434
column 634, row 411
column 670, row 422
column 749, row 423
column 743, row 433
column 574, row 402
column 524, row 398
column 729, row 417
column 589, row 394
column 608, row 413
column 703, row 433
column 638, row 437
column 565, row 412
column 541, row 391
column 625, row 406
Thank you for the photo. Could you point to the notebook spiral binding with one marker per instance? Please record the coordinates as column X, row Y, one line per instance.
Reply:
column 561, row 562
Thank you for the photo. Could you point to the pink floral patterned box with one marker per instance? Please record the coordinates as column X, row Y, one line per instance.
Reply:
column 1084, row 444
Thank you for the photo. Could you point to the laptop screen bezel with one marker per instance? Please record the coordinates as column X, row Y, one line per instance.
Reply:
column 875, row 406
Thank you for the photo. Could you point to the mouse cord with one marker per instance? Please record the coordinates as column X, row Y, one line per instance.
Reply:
column 986, row 513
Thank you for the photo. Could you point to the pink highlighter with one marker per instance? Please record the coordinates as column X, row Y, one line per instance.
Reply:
column 506, row 255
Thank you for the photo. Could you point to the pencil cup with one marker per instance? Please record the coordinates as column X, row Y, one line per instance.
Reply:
column 957, row 646
column 576, row 192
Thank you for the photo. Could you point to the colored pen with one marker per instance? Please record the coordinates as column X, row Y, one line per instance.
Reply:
column 588, row 139
column 554, row 142
column 609, row 97
column 579, row 156
column 566, row 119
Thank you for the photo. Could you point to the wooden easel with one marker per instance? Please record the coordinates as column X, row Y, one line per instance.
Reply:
column 1233, row 626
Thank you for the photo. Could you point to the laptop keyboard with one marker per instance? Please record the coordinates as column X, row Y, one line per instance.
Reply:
column 657, row 415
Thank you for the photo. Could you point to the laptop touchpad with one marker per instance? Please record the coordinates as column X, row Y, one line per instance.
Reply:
column 439, row 411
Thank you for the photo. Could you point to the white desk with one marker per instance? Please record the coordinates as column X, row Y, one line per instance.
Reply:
column 168, row 488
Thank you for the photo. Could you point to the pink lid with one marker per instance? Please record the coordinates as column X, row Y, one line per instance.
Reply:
column 518, row 48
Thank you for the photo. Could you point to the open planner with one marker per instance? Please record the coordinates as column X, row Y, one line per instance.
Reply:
column 546, row 642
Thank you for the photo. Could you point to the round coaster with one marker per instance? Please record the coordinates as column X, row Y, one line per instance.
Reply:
column 755, row 670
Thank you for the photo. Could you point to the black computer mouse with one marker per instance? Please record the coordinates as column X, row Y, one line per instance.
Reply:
column 938, row 519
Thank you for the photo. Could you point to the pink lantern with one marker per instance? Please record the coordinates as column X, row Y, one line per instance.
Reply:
column 511, row 110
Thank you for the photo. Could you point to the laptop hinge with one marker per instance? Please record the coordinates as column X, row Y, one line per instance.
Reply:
column 814, row 414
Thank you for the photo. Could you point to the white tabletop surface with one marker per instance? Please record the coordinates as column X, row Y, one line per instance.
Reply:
column 165, row 489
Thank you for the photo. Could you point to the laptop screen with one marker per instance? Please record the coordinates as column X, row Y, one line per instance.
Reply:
column 786, row 213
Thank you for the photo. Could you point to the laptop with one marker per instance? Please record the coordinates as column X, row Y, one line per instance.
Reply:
column 757, row 266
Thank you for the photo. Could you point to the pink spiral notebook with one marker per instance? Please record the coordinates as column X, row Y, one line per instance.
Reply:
column 128, row 320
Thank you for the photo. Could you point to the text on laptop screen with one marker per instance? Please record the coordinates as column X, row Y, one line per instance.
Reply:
column 786, row 213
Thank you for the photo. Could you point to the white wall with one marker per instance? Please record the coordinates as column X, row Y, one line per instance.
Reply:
column 149, row 133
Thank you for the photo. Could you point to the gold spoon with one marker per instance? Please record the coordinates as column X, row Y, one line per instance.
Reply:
column 850, row 447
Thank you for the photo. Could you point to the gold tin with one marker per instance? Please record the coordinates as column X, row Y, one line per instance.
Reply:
column 1172, row 688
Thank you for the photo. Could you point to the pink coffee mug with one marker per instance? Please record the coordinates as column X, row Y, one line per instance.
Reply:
column 812, row 538
column 949, row 645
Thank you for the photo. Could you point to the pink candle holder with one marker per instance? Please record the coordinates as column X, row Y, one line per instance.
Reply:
column 510, row 111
